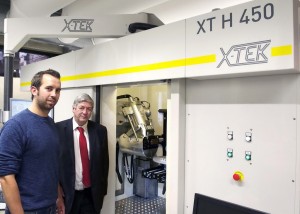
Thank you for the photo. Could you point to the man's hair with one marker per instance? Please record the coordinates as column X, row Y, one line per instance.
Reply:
column 83, row 98
column 37, row 78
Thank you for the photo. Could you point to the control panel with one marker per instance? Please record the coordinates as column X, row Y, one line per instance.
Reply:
column 238, row 150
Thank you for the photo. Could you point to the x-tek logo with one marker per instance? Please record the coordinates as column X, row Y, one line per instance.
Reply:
column 245, row 54
column 79, row 25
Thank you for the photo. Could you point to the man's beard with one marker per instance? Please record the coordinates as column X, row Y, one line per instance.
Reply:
column 43, row 105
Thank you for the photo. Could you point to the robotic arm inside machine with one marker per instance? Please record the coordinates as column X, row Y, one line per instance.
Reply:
column 136, row 137
column 135, row 132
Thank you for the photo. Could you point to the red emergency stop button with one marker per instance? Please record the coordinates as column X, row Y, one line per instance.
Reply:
column 238, row 176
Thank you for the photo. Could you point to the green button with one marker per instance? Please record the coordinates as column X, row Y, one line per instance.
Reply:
column 229, row 154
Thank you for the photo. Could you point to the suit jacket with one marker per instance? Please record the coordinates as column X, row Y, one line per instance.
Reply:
column 99, row 162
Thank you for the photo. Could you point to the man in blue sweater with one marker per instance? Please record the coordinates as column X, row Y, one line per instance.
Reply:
column 29, row 149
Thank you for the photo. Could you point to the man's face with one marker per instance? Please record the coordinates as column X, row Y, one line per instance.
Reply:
column 48, row 94
column 82, row 112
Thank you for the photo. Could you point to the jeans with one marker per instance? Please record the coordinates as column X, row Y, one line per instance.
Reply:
column 47, row 210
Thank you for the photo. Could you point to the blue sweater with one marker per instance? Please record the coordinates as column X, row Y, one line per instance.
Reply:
column 29, row 149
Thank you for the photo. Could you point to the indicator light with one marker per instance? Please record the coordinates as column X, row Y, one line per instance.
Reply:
column 229, row 153
column 248, row 155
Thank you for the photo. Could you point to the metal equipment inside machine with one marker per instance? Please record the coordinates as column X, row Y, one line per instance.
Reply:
column 138, row 144
column 139, row 139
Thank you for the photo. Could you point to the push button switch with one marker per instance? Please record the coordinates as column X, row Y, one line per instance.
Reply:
column 248, row 137
column 238, row 176
column 229, row 153
column 248, row 155
column 230, row 135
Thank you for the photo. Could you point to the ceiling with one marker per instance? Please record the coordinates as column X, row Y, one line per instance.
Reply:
column 167, row 11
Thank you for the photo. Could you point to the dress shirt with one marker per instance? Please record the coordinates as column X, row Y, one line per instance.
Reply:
column 78, row 166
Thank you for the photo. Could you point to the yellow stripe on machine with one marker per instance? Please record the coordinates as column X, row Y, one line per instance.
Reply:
column 141, row 68
column 201, row 59
column 134, row 69
column 282, row 50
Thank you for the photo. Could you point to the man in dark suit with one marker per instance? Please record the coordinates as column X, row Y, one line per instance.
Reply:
column 83, row 188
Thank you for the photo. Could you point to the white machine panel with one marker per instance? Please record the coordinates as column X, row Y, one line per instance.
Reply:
column 231, row 42
column 155, row 54
column 65, row 64
column 19, row 30
column 243, row 128
column 259, row 37
column 150, row 55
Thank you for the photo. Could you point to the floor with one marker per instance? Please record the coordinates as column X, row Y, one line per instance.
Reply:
column 139, row 205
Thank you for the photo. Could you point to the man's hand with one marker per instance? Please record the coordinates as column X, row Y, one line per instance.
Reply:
column 60, row 204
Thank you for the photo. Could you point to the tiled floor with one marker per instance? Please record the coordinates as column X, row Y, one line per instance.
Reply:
column 138, row 205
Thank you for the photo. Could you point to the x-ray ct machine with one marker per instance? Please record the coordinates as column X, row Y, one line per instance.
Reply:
column 233, row 105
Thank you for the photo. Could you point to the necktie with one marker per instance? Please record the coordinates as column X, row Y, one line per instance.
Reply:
column 84, row 158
